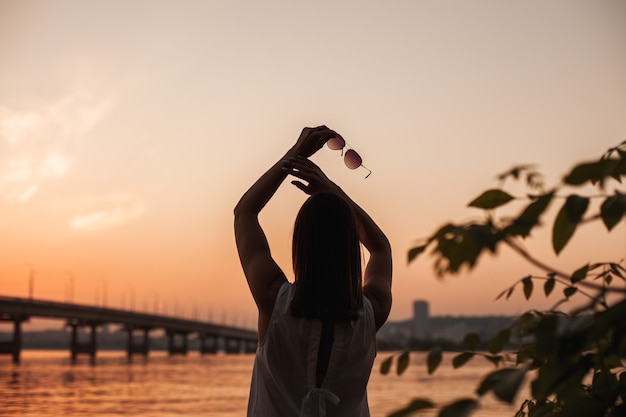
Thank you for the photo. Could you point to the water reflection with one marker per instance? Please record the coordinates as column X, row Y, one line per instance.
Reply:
column 47, row 384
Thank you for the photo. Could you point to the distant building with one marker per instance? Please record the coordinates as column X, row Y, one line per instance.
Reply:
column 454, row 332
column 421, row 320
column 423, row 327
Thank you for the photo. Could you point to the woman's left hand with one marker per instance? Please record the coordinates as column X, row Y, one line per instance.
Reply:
column 305, row 169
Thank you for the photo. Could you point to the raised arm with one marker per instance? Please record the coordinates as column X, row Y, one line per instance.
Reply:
column 378, row 271
column 263, row 274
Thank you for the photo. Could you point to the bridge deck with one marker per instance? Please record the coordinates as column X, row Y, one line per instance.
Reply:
column 18, row 310
column 84, row 314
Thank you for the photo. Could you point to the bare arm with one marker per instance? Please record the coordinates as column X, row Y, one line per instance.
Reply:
column 378, row 271
column 263, row 274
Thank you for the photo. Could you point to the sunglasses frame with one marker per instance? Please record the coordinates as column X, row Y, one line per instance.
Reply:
column 345, row 146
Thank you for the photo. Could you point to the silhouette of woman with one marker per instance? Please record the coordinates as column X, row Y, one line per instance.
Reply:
column 316, row 335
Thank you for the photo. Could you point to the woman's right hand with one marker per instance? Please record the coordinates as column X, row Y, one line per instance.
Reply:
column 312, row 139
column 305, row 169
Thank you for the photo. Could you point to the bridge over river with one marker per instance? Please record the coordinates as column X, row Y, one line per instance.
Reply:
column 78, row 316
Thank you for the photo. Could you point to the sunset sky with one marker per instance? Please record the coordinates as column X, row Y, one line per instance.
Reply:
column 129, row 130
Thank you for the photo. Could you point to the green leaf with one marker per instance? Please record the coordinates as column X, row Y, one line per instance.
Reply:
column 495, row 359
column 415, row 252
column 562, row 231
column 385, row 367
column 457, row 246
column 564, row 378
column 528, row 286
column 549, row 286
column 472, row 341
column 596, row 171
column 567, row 220
column 585, row 172
column 403, row 363
column 504, row 383
column 461, row 359
column 445, row 230
column 569, row 291
column 501, row 295
column 576, row 206
column 484, row 235
column 513, row 172
column 580, row 274
column 460, row 408
column 525, row 322
column 499, row 341
column 525, row 353
column 529, row 218
column 544, row 328
column 488, row 382
column 612, row 210
column 434, row 359
column 617, row 269
column 417, row 404
column 507, row 389
column 491, row 199
column 508, row 294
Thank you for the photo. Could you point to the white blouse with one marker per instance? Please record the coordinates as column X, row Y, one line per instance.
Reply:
column 283, row 378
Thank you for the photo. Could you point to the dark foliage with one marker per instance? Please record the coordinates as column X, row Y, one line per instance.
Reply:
column 574, row 359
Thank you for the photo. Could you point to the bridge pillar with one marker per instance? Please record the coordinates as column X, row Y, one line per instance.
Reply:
column 140, row 348
column 173, row 347
column 232, row 345
column 208, row 344
column 13, row 347
column 250, row 346
column 88, row 347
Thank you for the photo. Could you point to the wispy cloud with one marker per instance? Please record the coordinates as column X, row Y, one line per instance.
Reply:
column 37, row 143
column 104, row 212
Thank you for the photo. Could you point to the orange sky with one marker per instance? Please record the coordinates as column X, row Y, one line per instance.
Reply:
column 128, row 131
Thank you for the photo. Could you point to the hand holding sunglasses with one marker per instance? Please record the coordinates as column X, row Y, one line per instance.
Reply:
column 312, row 139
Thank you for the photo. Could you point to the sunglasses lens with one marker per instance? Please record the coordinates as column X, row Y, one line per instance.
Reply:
column 336, row 143
column 352, row 159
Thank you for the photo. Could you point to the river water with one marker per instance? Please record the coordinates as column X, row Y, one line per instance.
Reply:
column 47, row 384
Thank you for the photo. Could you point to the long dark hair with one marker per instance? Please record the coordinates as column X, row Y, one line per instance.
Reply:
column 326, row 255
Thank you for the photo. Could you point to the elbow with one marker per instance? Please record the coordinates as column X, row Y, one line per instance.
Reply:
column 238, row 215
column 246, row 206
column 383, row 246
column 239, row 210
column 243, row 211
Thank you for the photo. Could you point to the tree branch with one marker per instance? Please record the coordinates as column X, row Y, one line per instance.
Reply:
column 548, row 269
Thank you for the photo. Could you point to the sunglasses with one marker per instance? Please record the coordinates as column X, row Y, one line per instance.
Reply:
column 352, row 159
